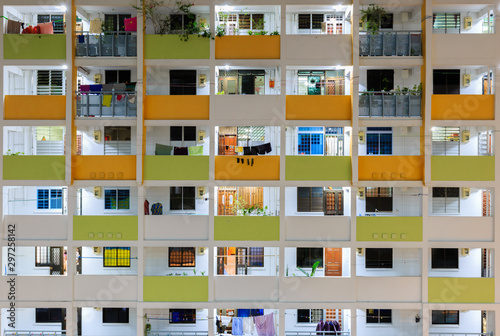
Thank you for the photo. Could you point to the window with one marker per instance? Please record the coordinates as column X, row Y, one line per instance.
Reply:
column 49, row 315
column 182, row 316
column 115, row 22
column 49, row 140
column 58, row 22
column 181, row 22
column 116, row 199
column 182, row 198
column 378, row 199
column 386, row 21
column 310, row 199
column 256, row 257
column 182, row 133
column 446, row 81
column 311, row 21
column 42, row 256
column 446, row 23
column 446, row 141
column 378, row 316
column 309, row 315
column 118, row 76
column 379, row 141
column 444, row 258
column 115, row 315
column 50, row 82
column 48, row 199
column 445, row 200
column 181, row 256
column 310, row 141
column 307, row 256
column 182, row 82
column 251, row 21
column 116, row 257
column 117, row 140
column 445, row 317
column 380, row 80
column 378, row 258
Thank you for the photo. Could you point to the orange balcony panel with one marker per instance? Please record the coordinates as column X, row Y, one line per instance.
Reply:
column 463, row 107
column 25, row 107
column 247, row 47
column 248, row 167
column 387, row 168
column 177, row 107
column 104, row 167
column 318, row 107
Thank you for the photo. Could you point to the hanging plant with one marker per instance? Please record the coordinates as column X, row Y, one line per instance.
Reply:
column 372, row 16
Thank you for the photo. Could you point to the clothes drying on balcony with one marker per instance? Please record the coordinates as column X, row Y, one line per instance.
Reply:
column 257, row 150
column 95, row 26
column 181, row 151
column 265, row 325
column 14, row 27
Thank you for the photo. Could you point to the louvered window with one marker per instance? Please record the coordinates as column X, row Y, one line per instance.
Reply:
column 446, row 141
column 49, row 140
column 50, row 82
column 117, row 140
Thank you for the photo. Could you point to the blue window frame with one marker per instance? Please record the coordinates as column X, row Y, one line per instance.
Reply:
column 311, row 141
column 116, row 199
column 49, row 199
column 379, row 141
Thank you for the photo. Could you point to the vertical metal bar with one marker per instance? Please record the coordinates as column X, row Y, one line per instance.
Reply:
column 113, row 44
column 369, row 44
column 126, row 104
column 100, row 105
column 369, row 105
column 88, row 44
column 100, row 44
column 88, row 103
column 409, row 44
column 383, row 44
column 113, row 105
column 126, row 44
column 396, row 45
column 383, row 112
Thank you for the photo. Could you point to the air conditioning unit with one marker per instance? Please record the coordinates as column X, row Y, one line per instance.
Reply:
column 465, row 136
column 97, row 136
column 361, row 137
column 202, row 250
column 96, row 250
column 467, row 22
column 465, row 192
column 359, row 251
column 361, row 193
column 466, row 80
column 465, row 251
column 97, row 192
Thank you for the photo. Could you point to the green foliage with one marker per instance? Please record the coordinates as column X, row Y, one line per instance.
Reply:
column 220, row 31
column 372, row 16
column 313, row 270
column 275, row 33
column 9, row 152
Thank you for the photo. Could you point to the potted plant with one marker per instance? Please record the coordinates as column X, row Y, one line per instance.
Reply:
column 371, row 17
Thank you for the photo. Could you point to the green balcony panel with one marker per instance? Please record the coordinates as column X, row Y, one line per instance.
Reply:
column 34, row 167
column 172, row 47
column 175, row 288
column 34, row 46
column 463, row 168
column 179, row 167
column 318, row 168
column 105, row 227
column 383, row 228
column 461, row 290
column 258, row 228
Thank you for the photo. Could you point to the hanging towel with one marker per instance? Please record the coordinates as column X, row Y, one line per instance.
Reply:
column 181, row 151
column 96, row 87
column 238, row 149
column 106, row 100
column 13, row 27
column 163, row 149
column 146, row 207
column 195, row 150
column 267, row 147
column 254, row 150
column 131, row 24
column 248, row 325
column 46, row 28
column 81, row 38
column 119, row 87
column 319, row 327
column 225, row 320
column 84, row 88
column 237, row 326
column 157, row 209
column 95, row 26
column 265, row 325
column 107, row 87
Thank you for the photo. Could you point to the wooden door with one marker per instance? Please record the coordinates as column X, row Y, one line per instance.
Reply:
column 251, row 196
column 225, row 202
column 333, row 202
column 333, row 262
column 227, row 144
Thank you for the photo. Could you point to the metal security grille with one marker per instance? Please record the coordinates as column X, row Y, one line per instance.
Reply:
column 116, row 257
column 446, row 23
column 116, row 199
column 251, row 133
column 181, row 257
column 117, row 140
column 50, row 82
column 42, row 256
column 446, row 141
column 256, row 258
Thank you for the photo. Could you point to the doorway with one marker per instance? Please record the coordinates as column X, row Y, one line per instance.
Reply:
column 333, row 202
column 333, row 261
column 230, row 199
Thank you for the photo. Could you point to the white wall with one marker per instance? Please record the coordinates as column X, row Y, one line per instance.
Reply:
column 405, row 262
column 25, row 262
column 162, row 195
column 92, row 264
column 22, row 200
column 26, row 320
column 95, row 206
column 158, row 80
column 405, row 202
column 159, row 320
column 468, row 266
column 471, row 206
column 90, row 147
column 414, row 78
column 291, row 203
column 92, row 324
column 271, row 263
column 469, row 322
column 403, row 323
column 156, row 263
column 161, row 135
column 405, row 141
column 291, row 263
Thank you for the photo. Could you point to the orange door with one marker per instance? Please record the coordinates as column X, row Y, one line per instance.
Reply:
column 227, row 144
column 333, row 264
column 225, row 202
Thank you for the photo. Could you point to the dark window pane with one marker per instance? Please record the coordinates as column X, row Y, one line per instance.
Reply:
column 378, row 258
column 452, row 192
column 444, row 258
column 385, row 315
column 317, row 20
column 182, row 82
column 446, row 81
column 307, row 256
column 111, row 76
column 115, row 315
column 175, row 198
column 184, row 316
column 304, row 21
column 372, row 316
column 189, row 198
column 386, row 21
column 175, row 133
column 110, row 199
column 303, row 315
column 438, row 192
column 380, row 80
column 190, row 133
column 445, row 317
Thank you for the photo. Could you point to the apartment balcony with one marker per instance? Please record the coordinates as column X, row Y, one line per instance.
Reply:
column 462, row 168
column 175, row 107
column 455, row 228
column 313, row 289
column 175, row 288
column 241, row 228
column 394, row 43
column 104, row 167
column 324, row 228
column 172, row 47
column 385, row 228
column 317, row 168
column 391, row 168
column 108, row 44
column 178, row 167
column 105, row 228
column 461, row 290
column 31, row 107
column 34, row 167
column 34, row 46
column 32, row 227
column 176, row 227
column 301, row 107
column 40, row 288
column 389, row 289
column 390, row 104
column 248, row 47
column 246, row 288
column 87, row 286
column 246, row 107
column 106, row 103
column 247, row 167
column 337, row 47
column 463, row 107
column 448, row 49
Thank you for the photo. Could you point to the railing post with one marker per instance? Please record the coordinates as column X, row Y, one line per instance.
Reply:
column 88, row 43
column 396, row 45
column 99, row 52
column 100, row 105
column 383, row 104
column 113, row 104
column 126, row 104
column 113, row 44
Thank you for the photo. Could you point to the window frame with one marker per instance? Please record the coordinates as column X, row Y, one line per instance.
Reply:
column 185, row 252
column 446, row 315
column 376, row 262
column 310, row 315
column 255, row 257
column 379, row 132
column 458, row 23
column 58, row 28
column 311, row 132
column 179, row 310
column 109, row 310
column 49, row 312
column 309, row 255
column 50, row 199
column 184, row 199
column 445, row 263
column 183, row 134
column 378, row 316
column 379, row 199
column 446, row 199
column 42, row 260
column 116, row 258
column 117, row 200
column 311, row 200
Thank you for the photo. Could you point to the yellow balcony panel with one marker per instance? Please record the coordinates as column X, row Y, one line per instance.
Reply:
column 29, row 107
column 461, row 290
column 463, row 168
column 247, row 168
column 391, row 168
column 318, row 107
column 384, row 228
column 104, row 167
column 175, row 288
column 177, row 107
column 247, row 47
column 317, row 168
column 463, row 107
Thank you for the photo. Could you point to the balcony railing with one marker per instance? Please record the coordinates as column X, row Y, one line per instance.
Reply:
column 459, row 334
column 393, row 43
column 108, row 44
column 32, row 333
column 177, row 333
column 389, row 104
column 313, row 333
column 106, row 104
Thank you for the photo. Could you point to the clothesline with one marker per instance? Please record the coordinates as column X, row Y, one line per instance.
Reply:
column 6, row 18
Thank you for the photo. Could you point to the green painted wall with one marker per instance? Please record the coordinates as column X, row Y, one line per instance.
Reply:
column 318, row 168
column 175, row 288
column 28, row 46
column 463, row 168
column 383, row 228
column 34, row 167
column 100, row 227
column 179, row 167
column 171, row 47
column 462, row 290
column 263, row 228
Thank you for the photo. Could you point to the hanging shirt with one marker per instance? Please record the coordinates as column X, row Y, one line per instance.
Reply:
column 237, row 326
column 265, row 325
column 248, row 325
